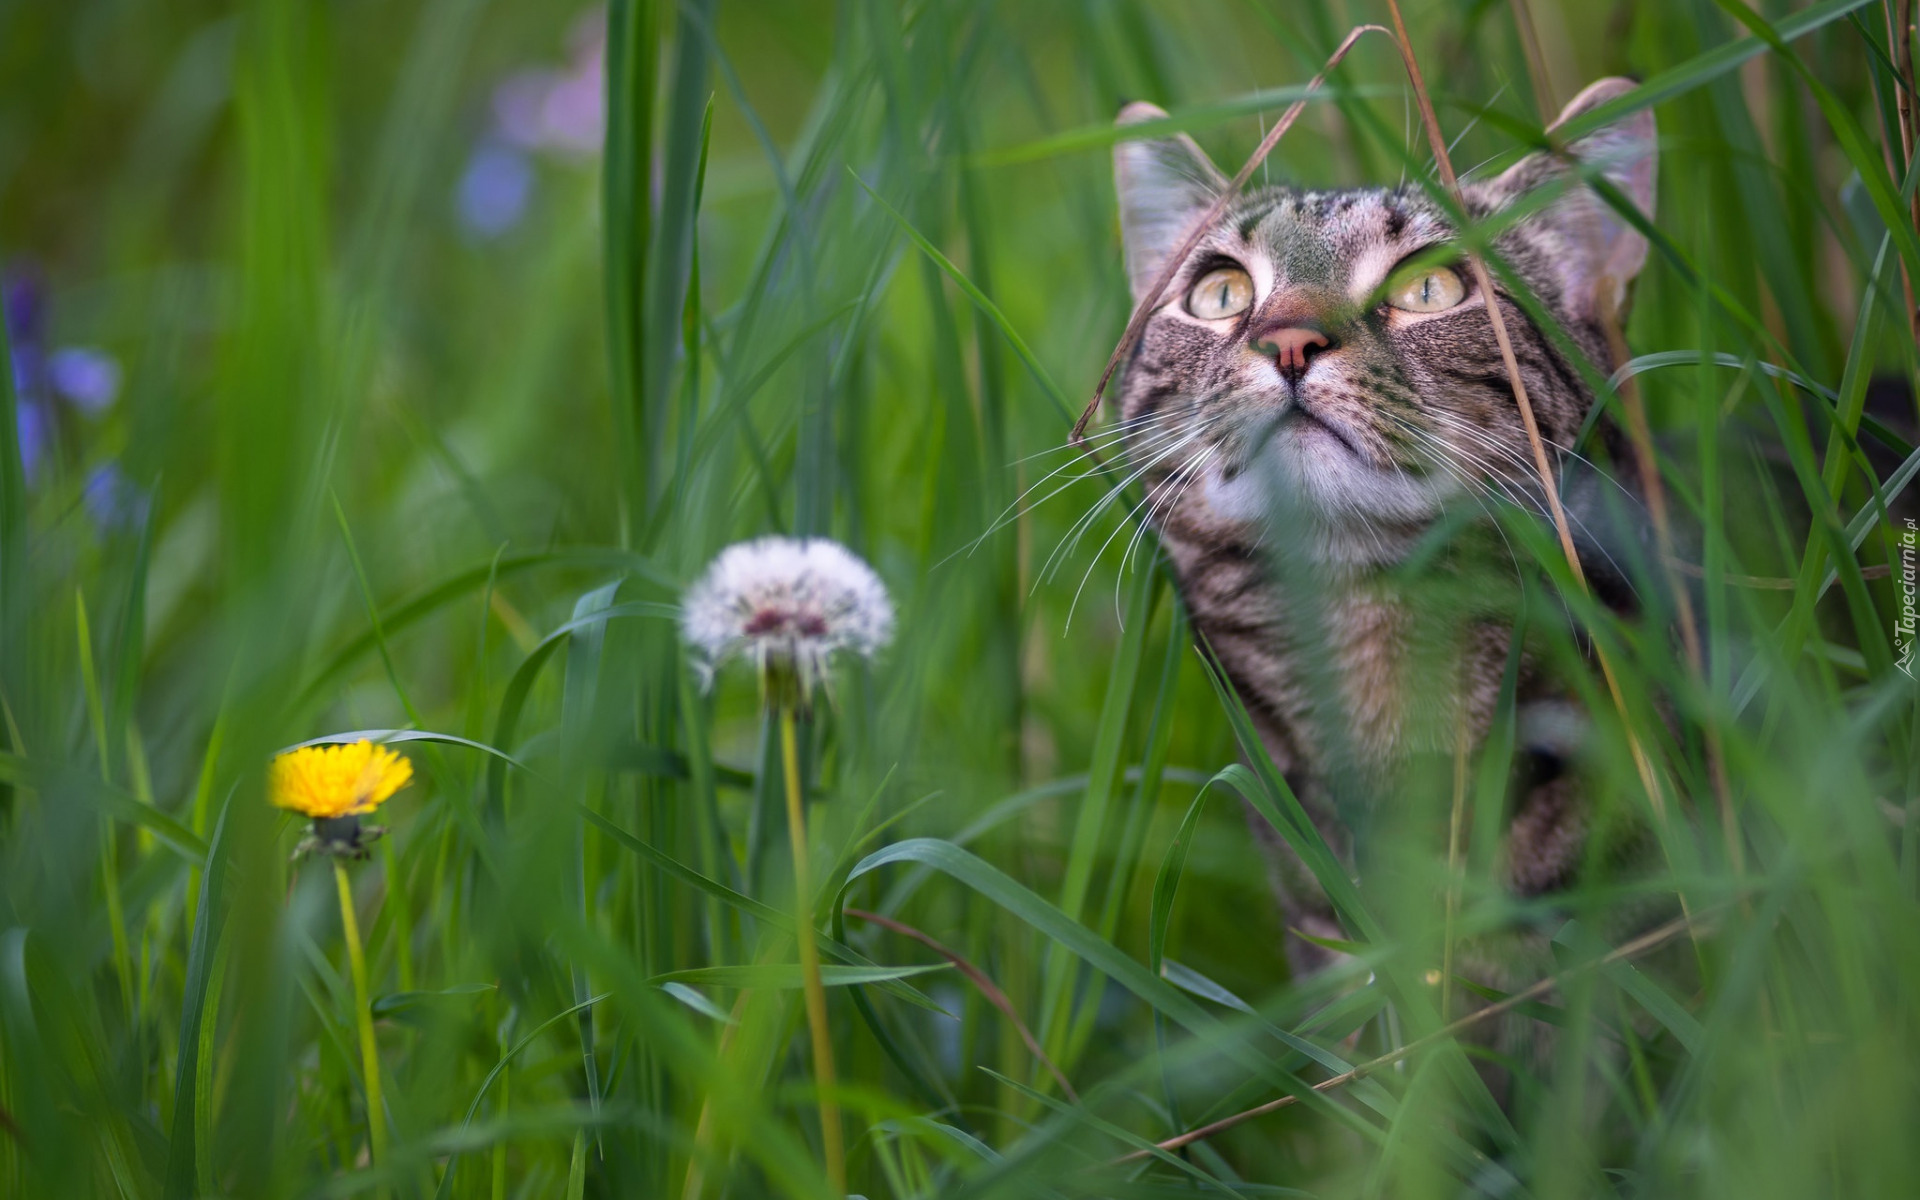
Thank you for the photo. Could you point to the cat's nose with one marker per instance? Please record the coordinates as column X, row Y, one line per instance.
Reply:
column 1293, row 347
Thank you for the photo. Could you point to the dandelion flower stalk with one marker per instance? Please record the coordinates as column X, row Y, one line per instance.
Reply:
column 333, row 787
column 815, row 990
column 363, row 1016
column 789, row 608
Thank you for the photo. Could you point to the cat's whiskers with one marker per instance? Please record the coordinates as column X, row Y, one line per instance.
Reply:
column 1078, row 530
column 1488, row 481
column 1526, row 465
column 1099, row 439
column 1468, row 127
column 1484, row 440
column 1455, row 463
column 1169, row 491
column 1155, row 424
column 1120, row 439
column 1526, row 482
column 1140, row 525
column 1473, row 487
column 1524, row 477
column 1172, row 488
column 1492, row 483
column 1019, row 507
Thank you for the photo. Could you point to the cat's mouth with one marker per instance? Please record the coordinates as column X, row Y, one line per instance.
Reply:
column 1306, row 423
column 1291, row 428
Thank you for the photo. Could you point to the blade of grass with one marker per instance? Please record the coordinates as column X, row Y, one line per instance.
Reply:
column 498, row 1072
column 986, row 986
column 1165, row 885
column 109, row 843
column 690, row 322
column 1703, row 68
column 432, row 599
column 788, row 976
column 979, row 298
column 1077, row 939
column 184, row 1151
column 626, row 215
column 1090, row 824
column 520, row 686
column 1626, row 951
column 1152, row 771
column 579, row 715
column 14, row 590
column 671, row 260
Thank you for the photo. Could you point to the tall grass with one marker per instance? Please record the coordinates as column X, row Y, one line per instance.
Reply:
column 384, row 462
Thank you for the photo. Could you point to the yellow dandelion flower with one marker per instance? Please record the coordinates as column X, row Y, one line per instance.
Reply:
column 325, row 782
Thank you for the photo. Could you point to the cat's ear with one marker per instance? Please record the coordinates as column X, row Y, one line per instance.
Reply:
column 1164, row 185
column 1601, row 251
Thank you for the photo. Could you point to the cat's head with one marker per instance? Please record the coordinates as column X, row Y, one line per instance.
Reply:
column 1324, row 343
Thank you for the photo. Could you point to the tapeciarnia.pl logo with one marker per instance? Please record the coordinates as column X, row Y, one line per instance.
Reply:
column 1904, row 624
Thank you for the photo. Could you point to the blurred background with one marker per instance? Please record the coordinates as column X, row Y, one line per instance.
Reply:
column 393, row 366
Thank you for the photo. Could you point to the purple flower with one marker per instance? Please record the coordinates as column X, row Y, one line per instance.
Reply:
column 113, row 500
column 31, row 425
column 23, row 309
column 23, row 298
column 494, row 190
column 89, row 379
column 23, row 304
column 519, row 106
column 576, row 110
column 574, row 114
column 559, row 111
column 26, row 369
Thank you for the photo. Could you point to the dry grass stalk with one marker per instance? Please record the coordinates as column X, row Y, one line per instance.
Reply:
column 988, row 989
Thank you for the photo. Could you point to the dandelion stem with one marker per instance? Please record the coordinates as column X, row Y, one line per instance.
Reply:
column 363, row 1017
column 816, row 993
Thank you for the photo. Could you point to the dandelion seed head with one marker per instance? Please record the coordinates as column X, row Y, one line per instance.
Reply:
column 786, row 606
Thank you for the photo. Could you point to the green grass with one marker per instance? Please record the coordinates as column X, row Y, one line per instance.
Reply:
column 399, row 475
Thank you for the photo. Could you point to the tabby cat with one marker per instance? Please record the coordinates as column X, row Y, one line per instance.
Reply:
column 1318, row 388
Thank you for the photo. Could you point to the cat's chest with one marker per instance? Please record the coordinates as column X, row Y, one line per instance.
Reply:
column 1355, row 669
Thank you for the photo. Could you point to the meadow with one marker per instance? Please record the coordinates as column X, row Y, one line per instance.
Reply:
column 389, row 371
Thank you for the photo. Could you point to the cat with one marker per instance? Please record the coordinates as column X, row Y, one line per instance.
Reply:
column 1319, row 386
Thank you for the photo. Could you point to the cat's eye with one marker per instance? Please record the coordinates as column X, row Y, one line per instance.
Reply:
column 1221, row 293
column 1426, row 290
